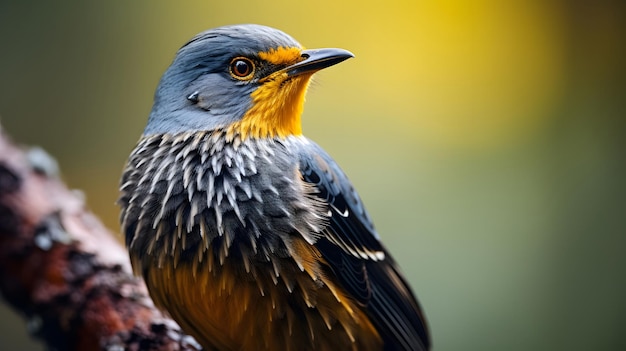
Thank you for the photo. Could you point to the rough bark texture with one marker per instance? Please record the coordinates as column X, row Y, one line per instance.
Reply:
column 64, row 271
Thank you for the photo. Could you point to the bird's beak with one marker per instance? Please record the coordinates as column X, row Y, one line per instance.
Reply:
column 317, row 59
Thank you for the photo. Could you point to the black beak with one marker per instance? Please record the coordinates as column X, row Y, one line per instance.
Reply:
column 317, row 59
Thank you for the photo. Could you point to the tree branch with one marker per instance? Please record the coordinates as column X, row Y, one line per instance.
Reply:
column 63, row 270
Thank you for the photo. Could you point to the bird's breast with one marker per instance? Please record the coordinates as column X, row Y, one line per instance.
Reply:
column 184, row 193
column 222, row 231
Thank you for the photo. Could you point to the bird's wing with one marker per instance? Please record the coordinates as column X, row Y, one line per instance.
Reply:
column 357, row 258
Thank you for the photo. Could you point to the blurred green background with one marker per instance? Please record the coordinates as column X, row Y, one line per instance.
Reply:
column 487, row 138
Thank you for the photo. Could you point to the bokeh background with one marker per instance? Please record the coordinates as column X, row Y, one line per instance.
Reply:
column 487, row 138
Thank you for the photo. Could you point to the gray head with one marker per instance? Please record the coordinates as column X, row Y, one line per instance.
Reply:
column 212, row 81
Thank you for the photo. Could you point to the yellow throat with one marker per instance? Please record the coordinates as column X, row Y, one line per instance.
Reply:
column 277, row 104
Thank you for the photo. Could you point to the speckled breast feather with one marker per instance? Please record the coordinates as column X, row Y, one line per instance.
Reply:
column 181, row 193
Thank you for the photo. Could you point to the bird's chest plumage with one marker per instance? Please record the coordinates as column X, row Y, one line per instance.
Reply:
column 222, row 230
column 183, row 193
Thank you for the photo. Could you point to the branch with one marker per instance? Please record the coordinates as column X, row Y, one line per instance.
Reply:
column 63, row 270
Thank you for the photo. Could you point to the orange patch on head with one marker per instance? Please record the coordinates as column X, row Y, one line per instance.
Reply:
column 278, row 102
column 276, row 110
column 282, row 55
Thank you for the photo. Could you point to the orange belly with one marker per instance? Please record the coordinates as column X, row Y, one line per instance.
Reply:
column 276, row 305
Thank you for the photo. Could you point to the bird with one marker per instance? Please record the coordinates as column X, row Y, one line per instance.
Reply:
column 247, row 233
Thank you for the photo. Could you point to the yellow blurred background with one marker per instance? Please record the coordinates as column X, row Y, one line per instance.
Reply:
column 487, row 138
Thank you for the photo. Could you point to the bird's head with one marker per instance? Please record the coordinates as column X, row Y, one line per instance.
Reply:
column 248, row 80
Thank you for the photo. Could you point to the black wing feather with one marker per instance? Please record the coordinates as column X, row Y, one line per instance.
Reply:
column 357, row 258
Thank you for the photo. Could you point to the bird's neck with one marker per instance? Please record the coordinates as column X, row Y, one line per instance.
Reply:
column 276, row 110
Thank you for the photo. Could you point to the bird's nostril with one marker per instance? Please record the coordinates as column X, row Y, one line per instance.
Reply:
column 305, row 56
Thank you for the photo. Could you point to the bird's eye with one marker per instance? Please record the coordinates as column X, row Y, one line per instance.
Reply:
column 242, row 68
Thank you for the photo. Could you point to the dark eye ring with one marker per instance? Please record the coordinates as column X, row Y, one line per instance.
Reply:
column 242, row 68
